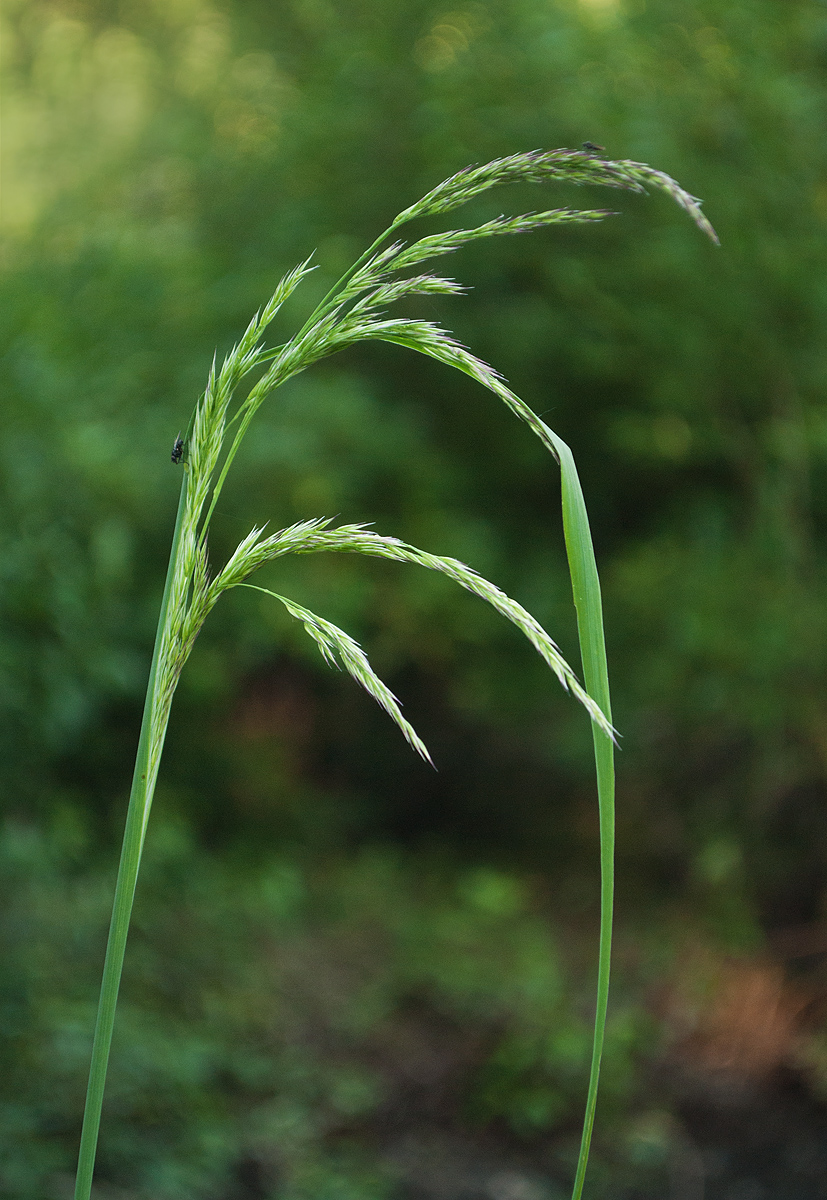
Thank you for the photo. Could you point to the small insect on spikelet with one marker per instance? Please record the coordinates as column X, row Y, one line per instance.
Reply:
column 354, row 311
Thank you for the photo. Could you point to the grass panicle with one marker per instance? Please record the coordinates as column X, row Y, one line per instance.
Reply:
column 354, row 311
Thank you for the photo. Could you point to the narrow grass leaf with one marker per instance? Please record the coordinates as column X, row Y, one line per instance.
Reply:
column 589, row 608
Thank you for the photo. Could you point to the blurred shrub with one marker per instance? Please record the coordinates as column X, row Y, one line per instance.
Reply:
column 284, row 1030
column 165, row 163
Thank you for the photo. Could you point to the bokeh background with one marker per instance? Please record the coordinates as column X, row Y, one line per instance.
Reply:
column 350, row 977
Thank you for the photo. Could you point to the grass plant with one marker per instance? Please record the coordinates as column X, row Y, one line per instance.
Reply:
column 354, row 310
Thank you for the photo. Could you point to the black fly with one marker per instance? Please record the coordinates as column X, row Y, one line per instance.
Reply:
column 177, row 450
column 591, row 148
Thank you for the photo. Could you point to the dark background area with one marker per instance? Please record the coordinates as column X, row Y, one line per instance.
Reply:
column 351, row 976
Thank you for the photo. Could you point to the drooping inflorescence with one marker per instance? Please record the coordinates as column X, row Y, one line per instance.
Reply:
column 354, row 311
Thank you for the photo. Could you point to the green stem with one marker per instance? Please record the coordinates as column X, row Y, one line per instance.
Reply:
column 140, row 801
column 326, row 303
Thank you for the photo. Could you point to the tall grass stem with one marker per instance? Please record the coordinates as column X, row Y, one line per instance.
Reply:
column 140, row 802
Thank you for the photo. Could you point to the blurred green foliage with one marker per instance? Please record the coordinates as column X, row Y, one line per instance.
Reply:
column 296, row 1018
column 164, row 163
